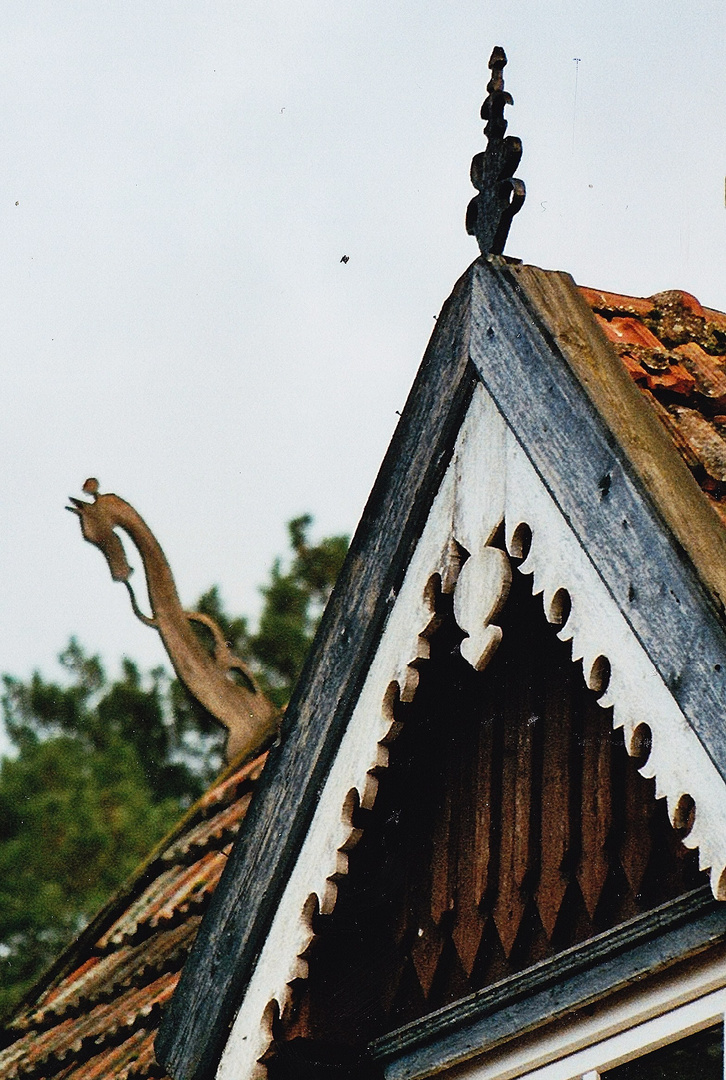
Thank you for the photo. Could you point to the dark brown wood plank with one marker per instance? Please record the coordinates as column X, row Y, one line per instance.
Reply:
column 426, row 953
column 555, row 829
column 442, row 856
column 516, row 846
column 482, row 854
column 637, row 841
column 508, row 905
column 558, row 987
column 473, row 857
column 197, row 1023
column 596, row 817
column 524, row 840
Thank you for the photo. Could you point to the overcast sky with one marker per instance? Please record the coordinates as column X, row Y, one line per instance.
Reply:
column 179, row 182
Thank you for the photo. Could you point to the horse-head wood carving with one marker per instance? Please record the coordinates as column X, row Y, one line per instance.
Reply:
column 240, row 706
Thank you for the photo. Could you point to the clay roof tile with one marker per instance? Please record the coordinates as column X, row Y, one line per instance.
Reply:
column 607, row 303
column 675, row 350
column 708, row 372
column 629, row 331
column 98, row 1018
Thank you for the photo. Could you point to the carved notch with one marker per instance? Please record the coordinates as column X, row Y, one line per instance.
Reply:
column 501, row 196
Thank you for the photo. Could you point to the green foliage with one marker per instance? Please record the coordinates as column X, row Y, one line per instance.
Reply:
column 104, row 767
column 73, row 826
column 294, row 601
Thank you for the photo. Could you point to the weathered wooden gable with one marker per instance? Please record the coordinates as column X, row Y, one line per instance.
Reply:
column 510, row 825
column 522, row 423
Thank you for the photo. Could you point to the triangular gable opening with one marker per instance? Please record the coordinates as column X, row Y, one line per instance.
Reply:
column 510, row 825
column 502, row 425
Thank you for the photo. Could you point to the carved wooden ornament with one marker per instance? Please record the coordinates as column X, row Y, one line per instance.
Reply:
column 249, row 716
column 501, row 194
column 480, row 595
column 489, row 480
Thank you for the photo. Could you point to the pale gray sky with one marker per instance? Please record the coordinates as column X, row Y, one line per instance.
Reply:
column 179, row 182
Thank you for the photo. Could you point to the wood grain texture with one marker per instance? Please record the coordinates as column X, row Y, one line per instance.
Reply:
column 555, row 987
column 555, row 829
column 474, row 844
column 469, row 735
column 614, row 475
column 673, row 490
column 637, row 843
column 510, row 903
column 596, row 815
column 197, row 1023
column 426, row 953
column 442, row 856
column 482, row 810
column 527, row 332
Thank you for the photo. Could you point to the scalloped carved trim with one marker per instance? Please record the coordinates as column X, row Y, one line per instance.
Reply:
column 363, row 751
column 613, row 661
column 489, row 480
column 615, row 664
column 481, row 592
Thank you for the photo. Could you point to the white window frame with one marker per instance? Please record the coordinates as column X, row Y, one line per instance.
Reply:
column 607, row 1035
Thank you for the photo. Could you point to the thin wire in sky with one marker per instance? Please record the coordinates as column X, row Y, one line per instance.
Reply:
column 577, row 61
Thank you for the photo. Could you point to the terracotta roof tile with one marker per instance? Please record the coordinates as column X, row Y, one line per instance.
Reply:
column 97, row 1019
column 674, row 379
column 216, row 832
column 79, row 1038
column 133, row 1058
column 172, row 894
column 102, row 977
column 708, row 372
column 706, row 444
column 614, row 304
column 629, row 332
column 637, row 371
column 228, row 789
column 682, row 445
column 675, row 350
column 715, row 320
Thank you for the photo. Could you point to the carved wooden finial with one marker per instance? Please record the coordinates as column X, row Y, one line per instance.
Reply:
column 490, row 213
column 249, row 716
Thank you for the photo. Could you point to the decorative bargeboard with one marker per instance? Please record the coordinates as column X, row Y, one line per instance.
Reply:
column 489, row 481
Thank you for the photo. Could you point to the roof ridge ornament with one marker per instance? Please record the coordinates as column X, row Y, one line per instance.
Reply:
column 501, row 196
column 249, row 716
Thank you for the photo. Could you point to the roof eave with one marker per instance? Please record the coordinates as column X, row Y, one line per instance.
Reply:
column 685, row 510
